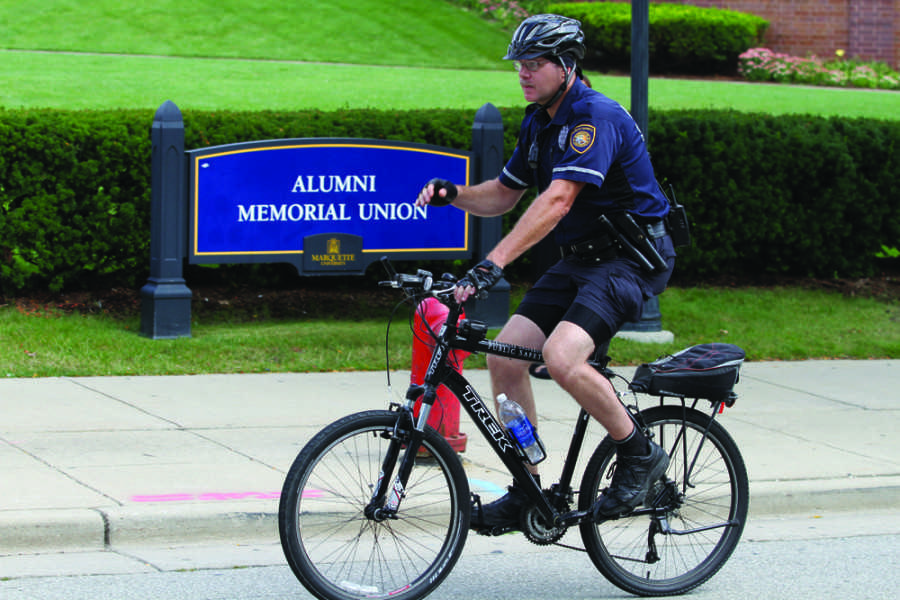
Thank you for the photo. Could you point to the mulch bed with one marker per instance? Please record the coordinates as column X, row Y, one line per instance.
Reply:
column 319, row 302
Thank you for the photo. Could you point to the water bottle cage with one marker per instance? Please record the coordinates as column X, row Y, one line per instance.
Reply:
column 521, row 451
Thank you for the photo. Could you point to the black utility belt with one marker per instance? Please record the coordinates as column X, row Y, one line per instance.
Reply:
column 614, row 243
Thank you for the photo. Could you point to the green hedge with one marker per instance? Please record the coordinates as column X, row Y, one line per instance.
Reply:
column 74, row 186
column 74, row 198
column 794, row 195
column 682, row 38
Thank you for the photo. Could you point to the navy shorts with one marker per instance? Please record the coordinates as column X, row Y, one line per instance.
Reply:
column 598, row 298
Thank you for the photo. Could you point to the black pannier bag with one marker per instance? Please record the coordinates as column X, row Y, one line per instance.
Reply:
column 702, row 371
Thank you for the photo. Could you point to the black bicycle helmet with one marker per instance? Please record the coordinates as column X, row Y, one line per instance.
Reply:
column 547, row 35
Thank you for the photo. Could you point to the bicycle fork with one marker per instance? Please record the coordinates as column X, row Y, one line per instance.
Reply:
column 390, row 490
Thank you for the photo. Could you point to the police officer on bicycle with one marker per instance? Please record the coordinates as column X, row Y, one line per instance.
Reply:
column 599, row 198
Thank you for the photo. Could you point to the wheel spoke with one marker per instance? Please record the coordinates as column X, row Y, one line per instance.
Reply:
column 335, row 550
column 641, row 555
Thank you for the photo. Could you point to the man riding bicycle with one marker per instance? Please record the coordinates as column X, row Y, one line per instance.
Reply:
column 599, row 197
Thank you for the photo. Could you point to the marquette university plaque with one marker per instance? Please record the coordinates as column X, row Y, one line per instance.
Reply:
column 323, row 205
column 332, row 252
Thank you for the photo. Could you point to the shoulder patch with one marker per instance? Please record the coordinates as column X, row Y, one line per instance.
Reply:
column 583, row 138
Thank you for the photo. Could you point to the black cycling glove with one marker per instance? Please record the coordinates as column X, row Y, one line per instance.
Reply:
column 443, row 184
column 482, row 276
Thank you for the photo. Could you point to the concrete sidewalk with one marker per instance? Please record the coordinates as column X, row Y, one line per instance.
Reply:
column 93, row 462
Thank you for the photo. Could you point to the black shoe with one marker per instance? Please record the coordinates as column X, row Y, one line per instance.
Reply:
column 539, row 371
column 632, row 478
column 501, row 514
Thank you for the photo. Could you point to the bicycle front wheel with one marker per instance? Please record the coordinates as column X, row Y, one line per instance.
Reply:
column 701, row 507
column 335, row 550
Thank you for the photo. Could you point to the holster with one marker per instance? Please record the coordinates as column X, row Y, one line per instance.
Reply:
column 633, row 241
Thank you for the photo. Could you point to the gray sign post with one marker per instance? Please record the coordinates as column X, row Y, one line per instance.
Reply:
column 487, row 145
column 165, row 299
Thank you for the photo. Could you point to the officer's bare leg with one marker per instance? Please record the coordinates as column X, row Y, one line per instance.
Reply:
column 639, row 462
column 566, row 352
column 511, row 377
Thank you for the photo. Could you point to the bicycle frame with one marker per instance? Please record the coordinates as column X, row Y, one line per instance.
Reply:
column 440, row 372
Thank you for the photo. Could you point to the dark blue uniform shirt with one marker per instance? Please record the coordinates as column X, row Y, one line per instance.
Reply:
column 591, row 139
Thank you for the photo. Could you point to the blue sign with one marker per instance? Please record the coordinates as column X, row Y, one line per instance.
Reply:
column 323, row 204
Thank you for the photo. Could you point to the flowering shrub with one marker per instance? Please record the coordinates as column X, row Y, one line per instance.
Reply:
column 683, row 38
column 762, row 64
column 508, row 13
column 503, row 10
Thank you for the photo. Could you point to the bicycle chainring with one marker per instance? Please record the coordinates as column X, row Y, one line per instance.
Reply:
column 536, row 530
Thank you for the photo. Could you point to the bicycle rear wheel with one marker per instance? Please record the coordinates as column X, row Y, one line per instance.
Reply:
column 705, row 493
column 335, row 550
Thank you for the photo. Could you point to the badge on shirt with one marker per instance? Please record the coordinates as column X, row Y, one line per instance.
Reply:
column 563, row 137
column 583, row 138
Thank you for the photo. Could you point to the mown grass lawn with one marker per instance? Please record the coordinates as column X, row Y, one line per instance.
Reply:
column 234, row 55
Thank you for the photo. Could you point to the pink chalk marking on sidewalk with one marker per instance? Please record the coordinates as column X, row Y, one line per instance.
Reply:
column 218, row 496
column 239, row 496
column 163, row 498
column 206, row 496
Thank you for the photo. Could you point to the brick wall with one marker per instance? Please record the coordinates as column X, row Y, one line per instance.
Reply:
column 866, row 29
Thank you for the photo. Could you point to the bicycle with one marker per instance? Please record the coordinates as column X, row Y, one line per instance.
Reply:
column 377, row 504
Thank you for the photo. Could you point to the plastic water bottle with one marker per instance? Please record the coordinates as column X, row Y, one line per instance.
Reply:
column 517, row 423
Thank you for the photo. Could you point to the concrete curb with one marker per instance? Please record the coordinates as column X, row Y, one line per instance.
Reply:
column 57, row 529
column 831, row 495
column 240, row 521
column 33, row 531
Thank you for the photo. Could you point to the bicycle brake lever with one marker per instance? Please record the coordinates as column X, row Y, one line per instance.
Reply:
column 386, row 263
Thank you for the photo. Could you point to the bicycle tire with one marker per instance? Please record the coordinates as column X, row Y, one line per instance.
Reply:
column 338, row 553
column 719, row 493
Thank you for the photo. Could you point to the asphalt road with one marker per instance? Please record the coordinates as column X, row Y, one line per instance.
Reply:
column 852, row 556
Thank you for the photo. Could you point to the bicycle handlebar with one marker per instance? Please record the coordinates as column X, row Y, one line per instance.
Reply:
column 423, row 283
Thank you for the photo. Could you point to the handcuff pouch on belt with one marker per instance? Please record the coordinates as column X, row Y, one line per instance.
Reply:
column 593, row 251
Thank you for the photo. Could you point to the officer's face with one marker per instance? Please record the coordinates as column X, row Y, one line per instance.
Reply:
column 540, row 79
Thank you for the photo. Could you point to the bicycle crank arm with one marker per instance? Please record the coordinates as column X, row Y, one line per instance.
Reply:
column 573, row 518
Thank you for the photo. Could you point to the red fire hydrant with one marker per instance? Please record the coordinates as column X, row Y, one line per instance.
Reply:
column 444, row 416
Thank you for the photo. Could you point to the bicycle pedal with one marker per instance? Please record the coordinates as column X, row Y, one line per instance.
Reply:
column 494, row 531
